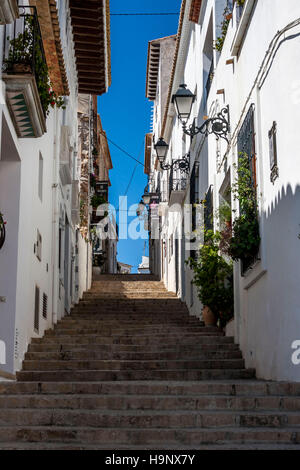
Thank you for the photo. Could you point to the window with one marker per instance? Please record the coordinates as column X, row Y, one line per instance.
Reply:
column 37, row 309
column 194, row 199
column 209, row 210
column 273, row 153
column 246, row 145
column 41, row 170
column 38, row 246
column 45, row 305
column 59, row 248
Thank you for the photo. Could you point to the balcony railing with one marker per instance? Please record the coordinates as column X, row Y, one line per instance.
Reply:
column 177, row 184
column 177, row 188
column 26, row 76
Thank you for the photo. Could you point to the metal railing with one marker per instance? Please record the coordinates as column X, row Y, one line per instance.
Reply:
column 177, row 184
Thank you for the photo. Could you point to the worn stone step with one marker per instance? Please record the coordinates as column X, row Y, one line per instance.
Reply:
column 151, row 402
column 78, row 323
column 129, row 348
column 131, row 356
column 134, row 341
column 148, row 418
column 109, row 375
column 145, row 436
column 130, row 331
column 132, row 365
column 231, row 388
column 216, row 446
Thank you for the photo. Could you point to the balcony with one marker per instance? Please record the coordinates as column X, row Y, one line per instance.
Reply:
column 25, row 74
column 9, row 11
column 177, row 187
column 101, row 188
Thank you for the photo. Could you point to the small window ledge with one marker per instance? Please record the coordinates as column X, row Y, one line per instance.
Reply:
column 242, row 27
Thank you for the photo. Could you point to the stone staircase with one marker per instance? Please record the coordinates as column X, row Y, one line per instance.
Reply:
column 130, row 369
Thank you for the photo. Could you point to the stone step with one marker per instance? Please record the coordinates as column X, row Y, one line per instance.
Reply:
column 216, row 446
column 71, row 321
column 129, row 331
column 130, row 312
column 135, row 340
column 109, row 375
column 232, row 388
column 152, row 436
column 129, row 348
column 131, row 356
column 110, row 365
column 138, row 302
column 149, row 418
column 152, row 402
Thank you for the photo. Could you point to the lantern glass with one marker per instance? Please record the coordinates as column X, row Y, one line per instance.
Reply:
column 183, row 101
column 161, row 148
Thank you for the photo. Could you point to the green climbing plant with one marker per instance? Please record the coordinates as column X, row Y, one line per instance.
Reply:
column 245, row 241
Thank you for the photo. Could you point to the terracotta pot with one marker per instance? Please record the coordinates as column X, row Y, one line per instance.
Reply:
column 208, row 316
column 229, row 16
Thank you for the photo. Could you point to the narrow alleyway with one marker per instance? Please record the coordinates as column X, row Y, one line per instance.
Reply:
column 130, row 369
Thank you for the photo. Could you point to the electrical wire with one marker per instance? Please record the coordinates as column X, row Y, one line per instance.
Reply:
column 131, row 178
column 122, row 150
column 143, row 14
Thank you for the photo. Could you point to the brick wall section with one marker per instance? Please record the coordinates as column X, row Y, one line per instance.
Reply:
column 48, row 19
column 195, row 10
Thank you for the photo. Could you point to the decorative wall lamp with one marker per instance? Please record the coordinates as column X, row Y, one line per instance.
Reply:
column 183, row 101
column 182, row 164
column 149, row 198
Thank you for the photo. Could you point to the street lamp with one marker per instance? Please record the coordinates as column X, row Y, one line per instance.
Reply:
column 161, row 148
column 182, row 164
column 183, row 100
column 146, row 197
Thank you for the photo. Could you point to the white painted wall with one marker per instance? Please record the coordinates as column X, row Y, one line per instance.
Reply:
column 267, row 301
column 25, row 212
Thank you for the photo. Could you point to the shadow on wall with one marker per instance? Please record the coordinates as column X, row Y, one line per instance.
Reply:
column 272, row 304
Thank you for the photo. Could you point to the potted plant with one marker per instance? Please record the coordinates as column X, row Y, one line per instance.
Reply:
column 213, row 276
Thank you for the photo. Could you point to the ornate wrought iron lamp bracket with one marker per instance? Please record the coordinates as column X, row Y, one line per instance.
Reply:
column 182, row 164
column 218, row 125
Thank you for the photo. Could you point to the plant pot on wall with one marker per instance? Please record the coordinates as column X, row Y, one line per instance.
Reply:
column 209, row 317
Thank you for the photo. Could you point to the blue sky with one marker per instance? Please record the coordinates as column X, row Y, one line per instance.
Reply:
column 124, row 110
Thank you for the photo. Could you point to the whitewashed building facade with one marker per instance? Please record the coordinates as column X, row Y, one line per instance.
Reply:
column 256, row 75
column 40, row 170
